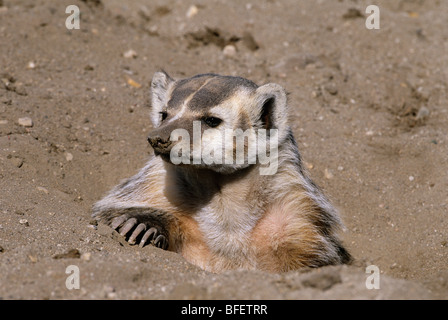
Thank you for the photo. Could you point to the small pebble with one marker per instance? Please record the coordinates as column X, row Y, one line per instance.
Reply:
column 130, row 54
column 44, row 190
column 109, row 292
column 152, row 30
column 18, row 162
column 328, row 174
column 422, row 113
column 229, row 51
column 31, row 65
column 331, row 89
column 309, row 165
column 411, row 178
column 133, row 83
column 25, row 122
column 24, row 222
column 93, row 224
column 68, row 156
column 192, row 11
column 86, row 256
column 20, row 90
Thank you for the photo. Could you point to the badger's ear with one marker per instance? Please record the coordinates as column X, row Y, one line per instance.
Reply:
column 271, row 108
column 160, row 86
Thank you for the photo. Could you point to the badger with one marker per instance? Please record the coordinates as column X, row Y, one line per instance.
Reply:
column 226, row 186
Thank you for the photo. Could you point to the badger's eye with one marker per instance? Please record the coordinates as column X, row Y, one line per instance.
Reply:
column 164, row 114
column 212, row 121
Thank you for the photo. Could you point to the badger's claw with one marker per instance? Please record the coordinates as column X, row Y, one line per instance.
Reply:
column 128, row 226
column 125, row 224
column 150, row 233
column 140, row 228
column 161, row 242
column 118, row 221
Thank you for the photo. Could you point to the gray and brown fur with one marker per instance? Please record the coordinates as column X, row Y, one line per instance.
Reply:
column 227, row 217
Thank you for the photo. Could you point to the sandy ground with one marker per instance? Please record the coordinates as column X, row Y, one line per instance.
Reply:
column 369, row 110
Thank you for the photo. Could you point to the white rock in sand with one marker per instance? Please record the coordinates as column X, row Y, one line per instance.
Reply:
column 192, row 11
column 130, row 54
column 25, row 122
column 229, row 50
column 68, row 156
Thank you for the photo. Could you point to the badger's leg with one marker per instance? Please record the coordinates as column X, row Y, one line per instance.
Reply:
column 143, row 225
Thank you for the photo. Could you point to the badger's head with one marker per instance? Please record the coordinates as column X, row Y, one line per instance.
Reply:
column 223, row 123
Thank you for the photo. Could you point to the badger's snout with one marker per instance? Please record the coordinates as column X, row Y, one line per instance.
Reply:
column 159, row 144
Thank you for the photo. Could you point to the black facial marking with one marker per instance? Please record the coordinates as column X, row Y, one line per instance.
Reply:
column 186, row 87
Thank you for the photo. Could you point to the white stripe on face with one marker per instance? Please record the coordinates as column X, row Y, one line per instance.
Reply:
column 185, row 103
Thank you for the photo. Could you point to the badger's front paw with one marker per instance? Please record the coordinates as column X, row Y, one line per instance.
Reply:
column 142, row 232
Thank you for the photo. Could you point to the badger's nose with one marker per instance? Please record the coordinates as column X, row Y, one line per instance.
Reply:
column 159, row 145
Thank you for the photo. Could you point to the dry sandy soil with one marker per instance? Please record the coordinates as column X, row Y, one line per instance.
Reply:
column 369, row 111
